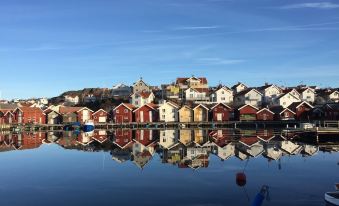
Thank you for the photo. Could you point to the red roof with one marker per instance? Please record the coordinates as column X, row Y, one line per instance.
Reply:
column 30, row 109
column 145, row 94
column 249, row 140
column 64, row 110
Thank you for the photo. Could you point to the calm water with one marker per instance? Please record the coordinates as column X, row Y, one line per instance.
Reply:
column 163, row 168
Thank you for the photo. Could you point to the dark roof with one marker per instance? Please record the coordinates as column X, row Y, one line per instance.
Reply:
column 234, row 86
column 182, row 80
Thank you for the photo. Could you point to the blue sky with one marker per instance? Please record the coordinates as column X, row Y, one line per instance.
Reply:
column 48, row 46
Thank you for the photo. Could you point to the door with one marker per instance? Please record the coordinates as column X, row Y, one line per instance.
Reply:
column 219, row 116
column 264, row 116
column 150, row 116
column 85, row 115
column 141, row 116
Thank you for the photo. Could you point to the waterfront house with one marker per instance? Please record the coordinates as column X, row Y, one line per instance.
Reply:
column 168, row 112
column 72, row 99
column 140, row 86
column 53, row 117
column 248, row 96
column 185, row 114
column 265, row 114
column 123, row 113
column 270, row 93
column 83, row 114
column 123, row 138
column 220, row 112
column 302, row 110
column 169, row 138
column 239, row 87
column 307, row 94
column 222, row 95
column 196, row 94
column 100, row 116
column 327, row 96
column 142, row 98
column 146, row 113
column 246, row 112
column 200, row 113
column 24, row 115
column 290, row 147
column 286, row 99
column 281, row 113
column 331, row 111
column 121, row 91
column 69, row 117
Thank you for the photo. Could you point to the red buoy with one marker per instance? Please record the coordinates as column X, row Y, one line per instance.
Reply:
column 241, row 179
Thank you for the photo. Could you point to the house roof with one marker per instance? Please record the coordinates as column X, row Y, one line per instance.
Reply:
column 185, row 106
column 201, row 105
column 127, row 105
column 99, row 111
column 183, row 80
column 144, row 94
column 266, row 110
column 172, row 104
column 216, row 104
column 241, row 107
column 249, row 141
column 288, row 93
column 295, row 105
column 149, row 105
column 64, row 109
column 280, row 109
column 239, row 83
column 29, row 109
column 243, row 92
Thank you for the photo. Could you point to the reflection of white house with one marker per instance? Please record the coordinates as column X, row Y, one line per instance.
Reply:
column 226, row 152
column 241, row 155
column 310, row 149
column 168, row 112
column 193, row 152
column 250, row 96
column 273, row 151
column 253, row 150
column 85, row 138
column 222, row 95
column 290, row 147
column 270, row 93
column 168, row 138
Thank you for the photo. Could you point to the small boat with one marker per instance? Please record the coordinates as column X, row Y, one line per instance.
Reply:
column 332, row 198
column 88, row 126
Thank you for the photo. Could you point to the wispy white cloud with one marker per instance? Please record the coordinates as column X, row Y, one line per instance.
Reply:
column 219, row 61
column 196, row 27
column 315, row 5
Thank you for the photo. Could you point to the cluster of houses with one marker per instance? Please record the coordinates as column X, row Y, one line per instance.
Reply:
column 185, row 148
column 188, row 99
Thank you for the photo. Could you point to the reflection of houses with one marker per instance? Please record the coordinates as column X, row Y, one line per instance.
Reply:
column 146, row 137
column 224, row 151
column 272, row 150
column 251, row 146
column 281, row 113
column 141, row 155
column 186, row 137
column 85, row 138
column 121, row 155
column 123, row 138
column 185, row 114
column 265, row 135
column 100, row 136
column 168, row 138
column 290, row 147
column 310, row 150
column 265, row 114
column 201, row 137
column 28, row 140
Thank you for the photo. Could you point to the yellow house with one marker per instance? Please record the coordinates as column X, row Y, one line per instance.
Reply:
column 200, row 113
column 185, row 114
column 200, row 136
column 186, row 137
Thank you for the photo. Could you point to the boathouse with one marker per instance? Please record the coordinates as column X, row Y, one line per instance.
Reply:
column 146, row 113
column 123, row 113
column 100, row 116
column 265, row 115
column 246, row 113
column 220, row 112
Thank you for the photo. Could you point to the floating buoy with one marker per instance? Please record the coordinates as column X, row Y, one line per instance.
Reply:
column 241, row 179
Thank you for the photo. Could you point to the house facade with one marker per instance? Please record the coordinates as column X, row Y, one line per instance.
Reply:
column 123, row 113
column 196, row 94
column 185, row 114
column 307, row 94
column 220, row 112
column 25, row 115
column 140, row 86
column 142, row 98
column 146, row 113
column 286, row 100
column 83, row 113
column 100, row 116
column 270, row 93
column 265, row 114
column 200, row 113
column 302, row 110
column 246, row 113
column 281, row 113
column 168, row 112
column 222, row 95
column 250, row 96
column 239, row 87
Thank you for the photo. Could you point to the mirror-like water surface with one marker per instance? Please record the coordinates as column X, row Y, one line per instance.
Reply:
column 163, row 167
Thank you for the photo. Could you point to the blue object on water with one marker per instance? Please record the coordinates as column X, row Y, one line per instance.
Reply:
column 259, row 198
column 88, row 126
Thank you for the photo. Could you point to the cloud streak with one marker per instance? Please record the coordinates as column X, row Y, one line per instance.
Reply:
column 313, row 5
column 196, row 27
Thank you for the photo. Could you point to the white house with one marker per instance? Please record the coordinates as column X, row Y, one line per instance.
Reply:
column 222, row 95
column 194, row 94
column 307, row 94
column 169, row 138
column 225, row 152
column 168, row 112
column 89, row 98
column 286, row 100
column 270, row 93
column 121, row 90
column 239, row 87
column 249, row 96
column 142, row 98
column 72, row 99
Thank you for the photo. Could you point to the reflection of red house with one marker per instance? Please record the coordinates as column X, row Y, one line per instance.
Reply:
column 100, row 136
column 220, row 112
column 246, row 112
column 265, row 115
column 28, row 140
column 302, row 110
column 145, row 137
column 249, row 141
column 123, row 113
column 24, row 115
column 123, row 138
column 100, row 116
column 146, row 113
column 265, row 135
column 221, row 137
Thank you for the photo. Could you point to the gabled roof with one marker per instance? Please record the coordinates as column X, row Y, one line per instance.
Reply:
column 295, row 105
column 199, row 90
column 262, row 88
column 149, row 105
column 140, row 80
column 249, row 141
column 280, row 109
column 186, row 106
column 127, row 105
column 241, row 107
column 244, row 92
column 102, row 110
column 64, row 109
column 266, row 110
column 201, row 105
column 239, row 83
column 183, row 80
column 29, row 109
column 301, row 90
column 216, row 104
column 288, row 93
column 172, row 104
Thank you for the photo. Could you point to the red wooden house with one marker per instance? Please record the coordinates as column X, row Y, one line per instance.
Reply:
column 100, row 116
column 331, row 111
column 246, row 112
column 265, row 115
column 123, row 113
column 24, row 115
column 146, row 113
column 302, row 110
column 220, row 112
column 281, row 113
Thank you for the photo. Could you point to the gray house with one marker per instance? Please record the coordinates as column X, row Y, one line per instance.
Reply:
column 141, row 86
column 121, row 90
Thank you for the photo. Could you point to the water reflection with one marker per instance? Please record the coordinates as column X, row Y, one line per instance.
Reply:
column 182, row 148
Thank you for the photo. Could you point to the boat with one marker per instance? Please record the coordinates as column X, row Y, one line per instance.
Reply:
column 332, row 198
column 88, row 126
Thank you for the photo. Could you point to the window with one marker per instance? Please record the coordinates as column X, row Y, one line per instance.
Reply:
column 164, row 110
column 163, row 116
column 284, row 103
column 222, row 92
column 117, row 111
column 126, row 110
column 223, row 98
